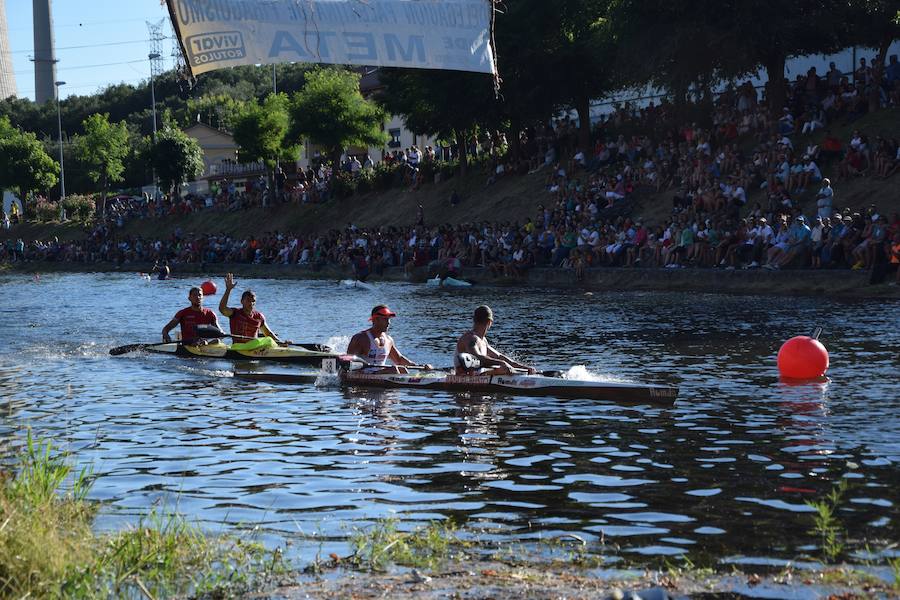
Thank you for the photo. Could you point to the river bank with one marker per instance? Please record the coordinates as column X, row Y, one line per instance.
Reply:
column 830, row 283
column 502, row 581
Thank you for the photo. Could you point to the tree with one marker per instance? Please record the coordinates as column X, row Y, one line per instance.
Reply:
column 874, row 23
column 666, row 45
column 583, row 54
column 430, row 103
column 217, row 111
column 677, row 38
column 260, row 130
column 331, row 112
column 24, row 164
column 103, row 148
column 176, row 157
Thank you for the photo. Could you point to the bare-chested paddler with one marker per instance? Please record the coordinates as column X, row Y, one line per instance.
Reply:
column 474, row 356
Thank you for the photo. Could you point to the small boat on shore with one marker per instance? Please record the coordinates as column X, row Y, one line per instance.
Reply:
column 516, row 385
column 356, row 283
column 448, row 282
column 302, row 354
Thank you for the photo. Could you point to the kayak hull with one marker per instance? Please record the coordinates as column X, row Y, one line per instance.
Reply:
column 519, row 385
column 515, row 385
column 280, row 354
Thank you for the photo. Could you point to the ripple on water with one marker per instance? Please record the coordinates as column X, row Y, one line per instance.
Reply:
column 316, row 461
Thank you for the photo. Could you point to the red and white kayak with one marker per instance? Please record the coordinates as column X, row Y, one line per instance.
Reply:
column 519, row 385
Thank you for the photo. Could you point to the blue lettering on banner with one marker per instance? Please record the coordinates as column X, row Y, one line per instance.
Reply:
column 286, row 43
column 364, row 43
column 359, row 46
column 215, row 47
column 415, row 45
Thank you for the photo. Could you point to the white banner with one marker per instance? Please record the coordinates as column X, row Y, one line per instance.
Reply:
column 424, row 34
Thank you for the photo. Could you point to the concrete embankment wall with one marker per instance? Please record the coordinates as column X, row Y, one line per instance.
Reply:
column 830, row 283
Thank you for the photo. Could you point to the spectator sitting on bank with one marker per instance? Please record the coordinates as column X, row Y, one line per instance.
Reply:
column 786, row 122
column 797, row 243
column 884, row 156
column 891, row 166
column 853, row 164
column 832, row 147
column 498, row 171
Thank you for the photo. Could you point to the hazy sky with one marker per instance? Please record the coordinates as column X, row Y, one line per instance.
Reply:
column 98, row 42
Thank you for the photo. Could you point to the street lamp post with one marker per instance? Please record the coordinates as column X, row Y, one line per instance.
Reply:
column 62, row 170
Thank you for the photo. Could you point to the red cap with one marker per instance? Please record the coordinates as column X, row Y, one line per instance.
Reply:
column 382, row 311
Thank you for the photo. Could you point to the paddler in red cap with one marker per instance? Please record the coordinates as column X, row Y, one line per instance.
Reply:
column 377, row 347
column 474, row 356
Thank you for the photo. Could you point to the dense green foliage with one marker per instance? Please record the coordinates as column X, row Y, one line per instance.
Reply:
column 176, row 157
column 261, row 132
column 102, row 149
column 552, row 56
column 25, row 166
column 330, row 111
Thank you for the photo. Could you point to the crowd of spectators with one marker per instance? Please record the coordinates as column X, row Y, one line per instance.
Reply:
column 584, row 219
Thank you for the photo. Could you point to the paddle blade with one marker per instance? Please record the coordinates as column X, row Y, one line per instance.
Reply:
column 127, row 348
column 210, row 332
column 315, row 348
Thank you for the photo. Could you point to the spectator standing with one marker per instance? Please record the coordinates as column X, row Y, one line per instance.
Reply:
column 825, row 199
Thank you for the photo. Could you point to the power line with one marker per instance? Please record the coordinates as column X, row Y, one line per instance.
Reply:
column 103, row 84
column 58, row 26
column 87, row 46
column 127, row 62
column 79, row 67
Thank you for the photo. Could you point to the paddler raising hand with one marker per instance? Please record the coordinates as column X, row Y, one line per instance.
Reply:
column 474, row 356
column 189, row 318
column 376, row 346
column 246, row 321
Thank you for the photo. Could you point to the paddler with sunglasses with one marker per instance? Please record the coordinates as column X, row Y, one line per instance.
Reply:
column 377, row 347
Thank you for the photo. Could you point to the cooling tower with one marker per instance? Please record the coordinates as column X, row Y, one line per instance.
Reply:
column 44, row 52
column 7, row 75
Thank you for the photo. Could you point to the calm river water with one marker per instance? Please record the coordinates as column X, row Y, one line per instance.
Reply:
column 723, row 474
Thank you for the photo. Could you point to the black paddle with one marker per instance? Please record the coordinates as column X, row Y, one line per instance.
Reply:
column 203, row 332
column 471, row 362
column 207, row 332
column 131, row 348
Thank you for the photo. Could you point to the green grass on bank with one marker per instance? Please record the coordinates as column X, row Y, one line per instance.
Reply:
column 48, row 548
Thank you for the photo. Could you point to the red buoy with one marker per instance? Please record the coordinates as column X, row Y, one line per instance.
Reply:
column 208, row 287
column 802, row 357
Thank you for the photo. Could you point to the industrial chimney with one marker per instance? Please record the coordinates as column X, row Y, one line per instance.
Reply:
column 44, row 52
column 7, row 75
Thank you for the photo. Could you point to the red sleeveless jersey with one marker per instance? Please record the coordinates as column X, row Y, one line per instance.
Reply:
column 188, row 319
column 246, row 326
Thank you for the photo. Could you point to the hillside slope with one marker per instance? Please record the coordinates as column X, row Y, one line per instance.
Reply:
column 511, row 199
